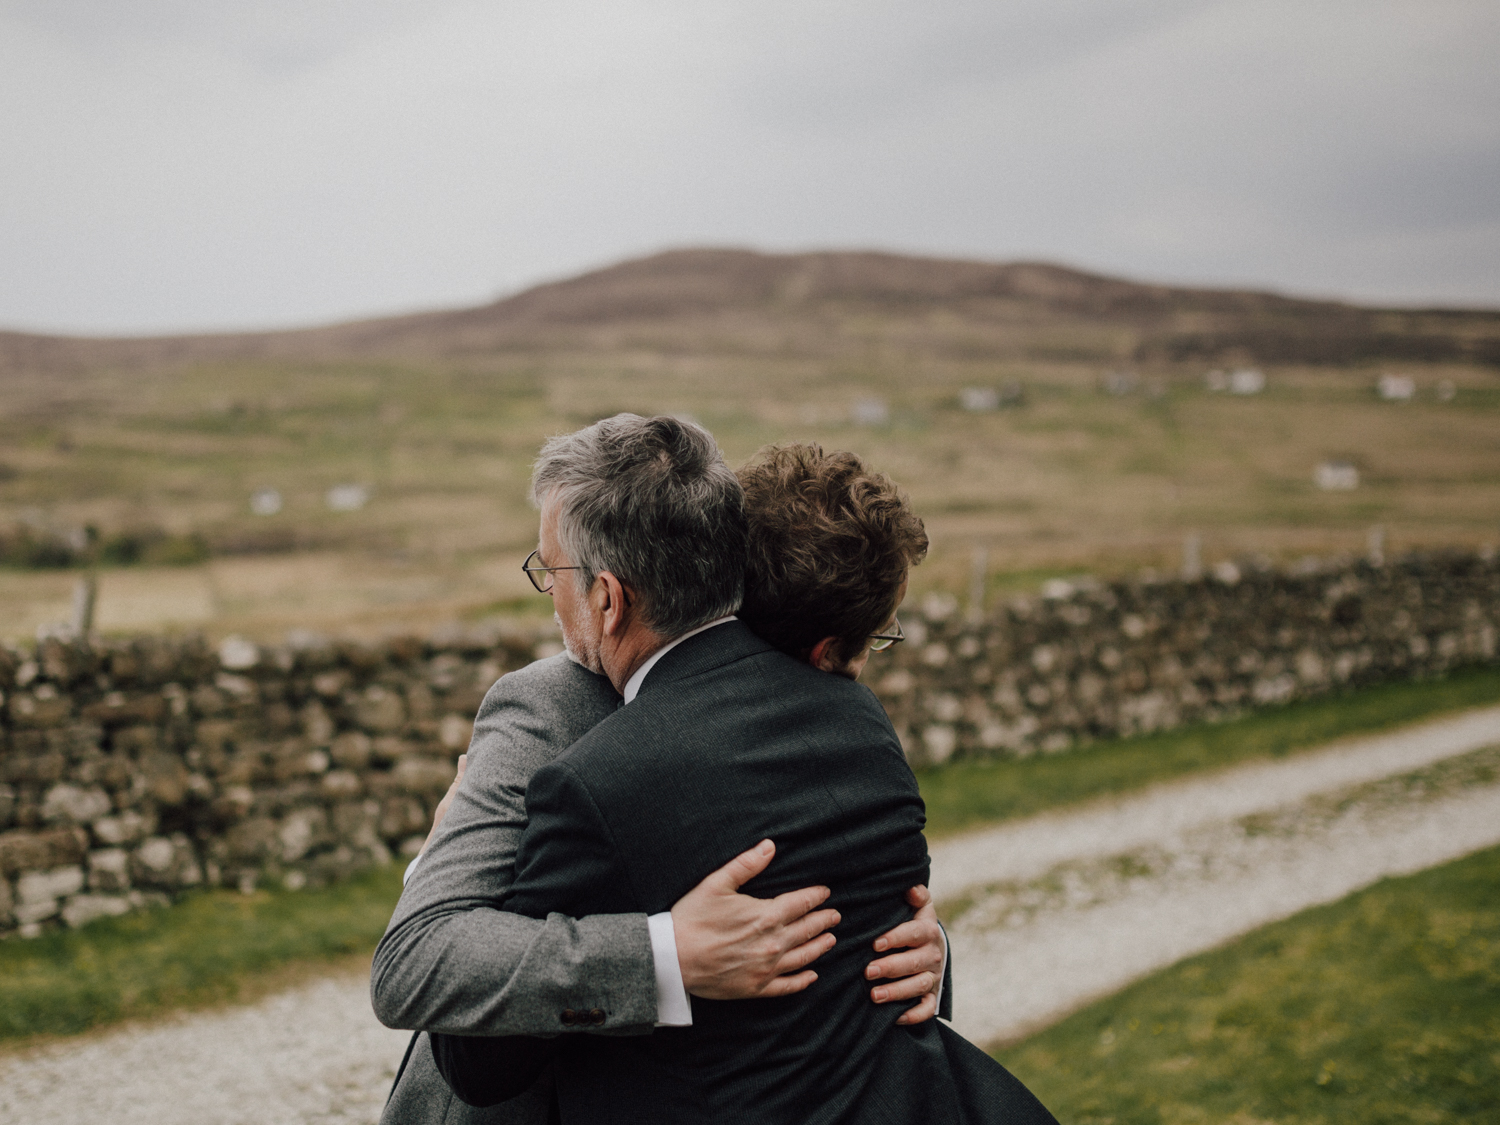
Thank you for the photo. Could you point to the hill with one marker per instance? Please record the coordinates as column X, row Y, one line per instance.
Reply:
column 823, row 303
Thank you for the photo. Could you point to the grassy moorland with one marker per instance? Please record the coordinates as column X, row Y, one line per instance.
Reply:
column 1383, row 1009
column 1071, row 479
column 1109, row 449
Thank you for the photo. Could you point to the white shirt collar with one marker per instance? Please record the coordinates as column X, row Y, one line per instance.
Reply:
column 633, row 685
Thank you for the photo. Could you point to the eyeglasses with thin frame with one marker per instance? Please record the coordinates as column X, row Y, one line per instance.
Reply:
column 541, row 576
column 879, row 642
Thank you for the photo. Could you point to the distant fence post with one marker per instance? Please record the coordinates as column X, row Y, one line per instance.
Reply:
column 1375, row 545
column 1192, row 557
column 979, row 566
column 85, row 593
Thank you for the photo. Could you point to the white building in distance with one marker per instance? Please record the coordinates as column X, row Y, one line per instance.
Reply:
column 1396, row 388
column 1336, row 476
column 346, row 497
column 979, row 400
column 265, row 502
column 1247, row 381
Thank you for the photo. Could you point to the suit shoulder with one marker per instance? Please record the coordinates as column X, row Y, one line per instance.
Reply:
column 536, row 712
column 556, row 683
column 865, row 695
column 815, row 684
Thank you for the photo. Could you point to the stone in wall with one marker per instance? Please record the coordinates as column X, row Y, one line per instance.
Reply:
column 22, row 851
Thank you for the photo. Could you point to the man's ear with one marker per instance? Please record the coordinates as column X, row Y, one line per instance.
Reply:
column 824, row 655
column 615, row 601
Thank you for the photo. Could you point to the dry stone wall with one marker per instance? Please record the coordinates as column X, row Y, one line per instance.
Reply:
column 1091, row 660
column 133, row 770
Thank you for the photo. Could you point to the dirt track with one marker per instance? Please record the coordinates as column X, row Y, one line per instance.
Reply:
column 1073, row 905
column 1061, row 908
column 312, row 1055
column 1064, row 909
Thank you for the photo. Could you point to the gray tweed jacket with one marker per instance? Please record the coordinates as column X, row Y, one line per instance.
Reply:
column 452, row 961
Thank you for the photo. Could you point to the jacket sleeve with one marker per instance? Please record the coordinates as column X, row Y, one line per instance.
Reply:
column 452, row 960
column 568, row 858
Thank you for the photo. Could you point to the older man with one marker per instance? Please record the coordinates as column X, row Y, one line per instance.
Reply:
column 451, row 961
column 723, row 740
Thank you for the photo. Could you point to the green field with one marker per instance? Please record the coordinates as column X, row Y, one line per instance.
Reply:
column 1381, row 1009
column 162, row 463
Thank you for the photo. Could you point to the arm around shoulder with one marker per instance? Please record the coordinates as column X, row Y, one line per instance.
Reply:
column 452, row 959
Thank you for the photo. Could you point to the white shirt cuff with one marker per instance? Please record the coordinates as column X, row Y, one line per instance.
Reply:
column 673, row 1009
column 942, row 969
column 410, row 867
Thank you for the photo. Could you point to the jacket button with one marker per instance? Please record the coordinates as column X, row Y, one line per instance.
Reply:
column 596, row 1017
column 569, row 1017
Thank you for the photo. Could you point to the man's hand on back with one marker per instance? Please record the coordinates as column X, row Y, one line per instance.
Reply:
column 736, row 947
column 917, row 972
column 732, row 946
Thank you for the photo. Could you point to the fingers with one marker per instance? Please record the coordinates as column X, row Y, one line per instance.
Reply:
column 805, row 954
column 907, row 988
column 786, row 986
column 920, row 1012
column 923, row 959
column 741, row 869
column 442, row 806
column 463, row 764
column 920, row 898
column 794, row 904
column 809, row 927
column 921, row 931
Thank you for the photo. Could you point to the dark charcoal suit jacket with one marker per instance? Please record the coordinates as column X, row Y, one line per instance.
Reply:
column 730, row 742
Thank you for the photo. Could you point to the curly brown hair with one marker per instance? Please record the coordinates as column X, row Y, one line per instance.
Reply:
column 830, row 543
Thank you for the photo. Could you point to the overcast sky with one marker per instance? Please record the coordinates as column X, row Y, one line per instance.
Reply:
column 191, row 164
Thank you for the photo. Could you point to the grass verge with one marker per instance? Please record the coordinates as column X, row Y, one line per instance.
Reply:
column 967, row 794
column 211, row 947
column 1383, row 1008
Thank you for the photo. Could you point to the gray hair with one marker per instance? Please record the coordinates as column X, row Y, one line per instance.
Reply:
column 651, row 501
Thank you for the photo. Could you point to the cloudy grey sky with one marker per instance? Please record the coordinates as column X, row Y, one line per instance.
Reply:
column 188, row 164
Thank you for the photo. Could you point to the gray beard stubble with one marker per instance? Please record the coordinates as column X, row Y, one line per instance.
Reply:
column 579, row 649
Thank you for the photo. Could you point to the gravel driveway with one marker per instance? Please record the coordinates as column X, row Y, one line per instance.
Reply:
column 313, row 1054
column 1052, row 912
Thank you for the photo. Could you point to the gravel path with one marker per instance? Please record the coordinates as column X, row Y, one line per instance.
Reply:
column 314, row 1054
column 1059, row 909
column 1032, row 846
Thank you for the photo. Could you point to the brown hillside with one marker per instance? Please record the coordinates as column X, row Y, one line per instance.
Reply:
column 821, row 303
